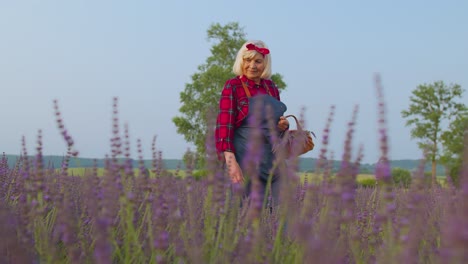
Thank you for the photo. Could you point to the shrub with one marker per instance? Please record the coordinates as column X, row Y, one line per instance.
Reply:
column 401, row 177
column 454, row 174
column 428, row 178
column 367, row 182
column 199, row 174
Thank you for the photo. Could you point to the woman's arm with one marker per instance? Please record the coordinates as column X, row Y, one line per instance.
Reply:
column 233, row 168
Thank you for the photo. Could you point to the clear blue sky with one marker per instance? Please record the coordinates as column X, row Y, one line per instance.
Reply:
column 84, row 53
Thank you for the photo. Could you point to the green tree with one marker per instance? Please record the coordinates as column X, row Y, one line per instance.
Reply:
column 453, row 142
column 401, row 177
column 433, row 107
column 200, row 98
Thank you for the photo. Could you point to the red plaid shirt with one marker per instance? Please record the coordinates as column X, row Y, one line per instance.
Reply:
column 233, row 108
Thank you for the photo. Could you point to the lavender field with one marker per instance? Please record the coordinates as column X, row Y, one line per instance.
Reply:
column 123, row 216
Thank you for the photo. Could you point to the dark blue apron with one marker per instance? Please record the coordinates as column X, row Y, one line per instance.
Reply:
column 268, row 107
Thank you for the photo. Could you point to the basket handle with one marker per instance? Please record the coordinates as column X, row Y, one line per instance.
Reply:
column 298, row 125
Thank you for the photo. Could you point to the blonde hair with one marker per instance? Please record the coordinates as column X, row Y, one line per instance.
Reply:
column 243, row 53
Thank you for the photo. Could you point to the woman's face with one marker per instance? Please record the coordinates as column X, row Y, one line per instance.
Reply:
column 253, row 67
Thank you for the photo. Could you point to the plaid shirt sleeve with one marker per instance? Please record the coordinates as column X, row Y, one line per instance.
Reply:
column 224, row 132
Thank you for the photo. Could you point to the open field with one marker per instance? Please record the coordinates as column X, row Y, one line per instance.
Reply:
column 311, row 177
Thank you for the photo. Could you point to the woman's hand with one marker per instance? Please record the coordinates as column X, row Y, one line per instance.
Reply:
column 234, row 170
column 283, row 124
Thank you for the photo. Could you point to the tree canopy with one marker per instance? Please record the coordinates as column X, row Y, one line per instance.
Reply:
column 453, row 141
column 431, row 113
column 200, row 97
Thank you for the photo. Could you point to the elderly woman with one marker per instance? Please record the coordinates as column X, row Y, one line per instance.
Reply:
column 251, row 89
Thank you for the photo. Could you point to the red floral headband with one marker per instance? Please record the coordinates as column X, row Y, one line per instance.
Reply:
column 263, row 51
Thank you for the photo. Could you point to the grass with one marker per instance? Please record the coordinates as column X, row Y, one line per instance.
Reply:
column 311, row 177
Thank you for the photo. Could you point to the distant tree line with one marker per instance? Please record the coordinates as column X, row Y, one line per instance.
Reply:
column 305, row 164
